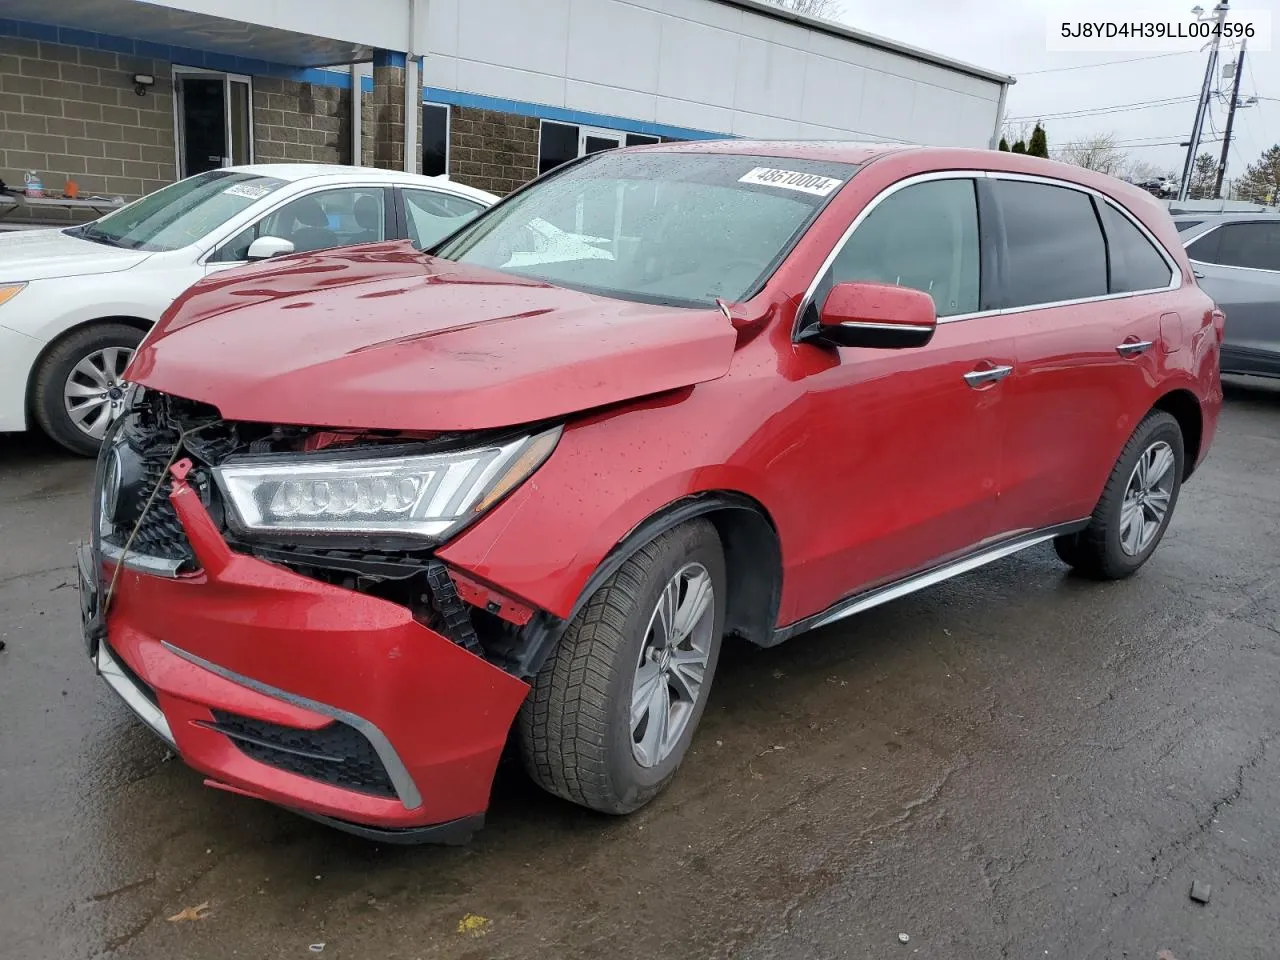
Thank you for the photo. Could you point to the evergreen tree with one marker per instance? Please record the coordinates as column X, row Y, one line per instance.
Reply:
column 1004, row 144
column 1039, row 145
column 1262, row 179
column 1019, row 147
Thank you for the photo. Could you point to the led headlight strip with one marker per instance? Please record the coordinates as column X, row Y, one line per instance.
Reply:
column 432, row 495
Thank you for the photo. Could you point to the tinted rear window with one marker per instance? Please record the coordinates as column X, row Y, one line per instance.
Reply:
column 1252, row 245
column 1135, row 263
column 1055, row 247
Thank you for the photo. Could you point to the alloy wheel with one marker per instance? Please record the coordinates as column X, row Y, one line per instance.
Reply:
column 672, row 665
column 1146, row 498
column 94, row 392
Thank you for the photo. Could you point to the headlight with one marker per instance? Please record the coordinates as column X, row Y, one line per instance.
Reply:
column 10, row 290
column 433, row 495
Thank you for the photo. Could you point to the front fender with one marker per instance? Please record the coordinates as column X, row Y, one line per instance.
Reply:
column 606, row 479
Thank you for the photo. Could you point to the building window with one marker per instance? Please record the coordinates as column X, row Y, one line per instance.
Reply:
column 561, row 142
column 435, row 139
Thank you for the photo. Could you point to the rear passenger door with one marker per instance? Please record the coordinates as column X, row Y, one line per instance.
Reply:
column 1084, row 305
column 1239, row 266
column 431, row 215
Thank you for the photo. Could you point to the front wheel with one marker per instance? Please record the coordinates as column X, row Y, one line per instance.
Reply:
column 613, row 711
column 1136, row 505
column 79, row 386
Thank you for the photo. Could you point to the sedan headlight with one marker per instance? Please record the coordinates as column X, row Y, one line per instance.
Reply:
column 10, row 290
column 433, row 495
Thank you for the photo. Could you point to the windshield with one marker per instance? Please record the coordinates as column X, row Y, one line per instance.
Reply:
column 673, row 228
column 181, row 213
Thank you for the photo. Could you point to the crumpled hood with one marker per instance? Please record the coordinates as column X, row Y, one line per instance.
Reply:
column 382, row 336
column 45, row 254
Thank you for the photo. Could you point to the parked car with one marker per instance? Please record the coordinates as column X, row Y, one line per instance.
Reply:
column 366, row 512
column 1236, row 258
column 75, row 303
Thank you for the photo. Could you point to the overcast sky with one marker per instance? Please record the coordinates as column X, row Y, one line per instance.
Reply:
column 1009, row 36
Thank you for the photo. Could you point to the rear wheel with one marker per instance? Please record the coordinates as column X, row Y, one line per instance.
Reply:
column 1136, row 505
column 613, row 710
column 79, row 386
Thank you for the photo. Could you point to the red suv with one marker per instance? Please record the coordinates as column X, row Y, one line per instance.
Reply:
column 369, row 510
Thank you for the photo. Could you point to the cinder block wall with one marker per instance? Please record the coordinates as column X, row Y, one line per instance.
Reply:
column 300, row 122
column 72, row 112
column 492, row 150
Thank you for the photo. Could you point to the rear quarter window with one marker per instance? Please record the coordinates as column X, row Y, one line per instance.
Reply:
column 1054, row 243
column 1135, row 262
column 1253, row 246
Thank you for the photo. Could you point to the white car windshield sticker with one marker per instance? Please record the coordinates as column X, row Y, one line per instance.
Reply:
column 250, row 191
column 812, row 183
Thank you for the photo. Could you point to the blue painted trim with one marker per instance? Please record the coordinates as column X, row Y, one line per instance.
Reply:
column 168, row 53
column 249, row 66
column 580, row 117
column 389, row 58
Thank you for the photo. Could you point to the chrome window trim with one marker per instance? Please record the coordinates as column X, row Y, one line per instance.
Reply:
column 1175, row 281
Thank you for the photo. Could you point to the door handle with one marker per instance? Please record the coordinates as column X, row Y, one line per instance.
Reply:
column 978, row 378
column 1197, row 274
column 1133, row 348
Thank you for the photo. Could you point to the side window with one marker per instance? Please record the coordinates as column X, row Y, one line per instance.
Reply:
column 1252, row 245
column 433, row 215
column 924, row 237
column 317, row 221
column 1054, row 243
column 1135, row 263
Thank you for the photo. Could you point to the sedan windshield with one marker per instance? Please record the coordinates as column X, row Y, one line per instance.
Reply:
column 673, row 228
column 181, row 213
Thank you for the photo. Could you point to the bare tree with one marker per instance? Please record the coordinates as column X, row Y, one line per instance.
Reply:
column 822, row 9
column 1138, row 170
column 1098, row 153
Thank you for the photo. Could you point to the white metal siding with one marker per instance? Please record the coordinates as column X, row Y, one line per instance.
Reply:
column 704, row 65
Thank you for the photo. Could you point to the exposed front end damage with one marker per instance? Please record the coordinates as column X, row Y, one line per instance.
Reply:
column 359, row 681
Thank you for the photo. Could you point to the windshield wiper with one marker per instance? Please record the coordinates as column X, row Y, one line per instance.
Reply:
column 87, row 232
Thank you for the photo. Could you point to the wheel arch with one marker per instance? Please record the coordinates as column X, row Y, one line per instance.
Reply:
column 1183, row 406
column 33, row 374
column 753, row 564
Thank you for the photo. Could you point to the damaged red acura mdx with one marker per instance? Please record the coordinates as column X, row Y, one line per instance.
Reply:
column 371, row 513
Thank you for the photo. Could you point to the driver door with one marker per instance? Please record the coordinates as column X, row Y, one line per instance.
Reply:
column 321, row 220
column 910, row 438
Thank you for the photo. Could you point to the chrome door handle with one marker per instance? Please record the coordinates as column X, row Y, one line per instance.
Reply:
column 1197, row 274
column 976, row 378
column 1134, row 348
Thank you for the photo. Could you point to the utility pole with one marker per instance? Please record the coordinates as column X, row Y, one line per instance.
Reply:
column 1231, row 116
column 1206, row 90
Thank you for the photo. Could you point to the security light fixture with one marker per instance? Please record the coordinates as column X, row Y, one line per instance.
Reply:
column 141, row 81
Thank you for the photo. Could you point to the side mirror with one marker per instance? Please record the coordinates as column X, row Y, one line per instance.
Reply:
column 264, row 248
column 876, row 315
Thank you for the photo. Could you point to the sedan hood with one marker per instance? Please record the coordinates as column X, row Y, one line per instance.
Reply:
column 385, row 337
column 27, row 255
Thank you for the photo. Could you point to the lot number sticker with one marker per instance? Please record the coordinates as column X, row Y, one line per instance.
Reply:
column 812, row 183
column 250, row 191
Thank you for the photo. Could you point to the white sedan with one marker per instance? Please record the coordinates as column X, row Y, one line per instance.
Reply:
column 75, row 303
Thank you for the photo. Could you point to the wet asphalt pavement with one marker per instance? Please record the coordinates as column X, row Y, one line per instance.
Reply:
column 1017, row 764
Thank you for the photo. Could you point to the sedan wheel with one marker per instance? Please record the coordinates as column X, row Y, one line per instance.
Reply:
column 78, row 388
column 93, row 394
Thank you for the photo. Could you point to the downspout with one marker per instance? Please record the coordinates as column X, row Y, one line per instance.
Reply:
column 357, row 97
column 995, row 134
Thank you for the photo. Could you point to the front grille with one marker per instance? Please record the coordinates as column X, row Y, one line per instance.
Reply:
column 159, row 533
column 337, row 754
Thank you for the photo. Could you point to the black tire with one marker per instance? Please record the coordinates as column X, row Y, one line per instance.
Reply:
column 51, row 377
column 1096, row 551
column 575, row 726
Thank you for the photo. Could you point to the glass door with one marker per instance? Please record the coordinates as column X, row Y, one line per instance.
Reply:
column 213, row 116
column 593, row 140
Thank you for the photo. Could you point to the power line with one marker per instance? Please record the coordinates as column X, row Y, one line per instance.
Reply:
column 1116, row 108
column 1106, row 63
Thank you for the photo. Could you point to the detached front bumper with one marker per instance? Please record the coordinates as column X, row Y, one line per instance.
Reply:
column 333, row 703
